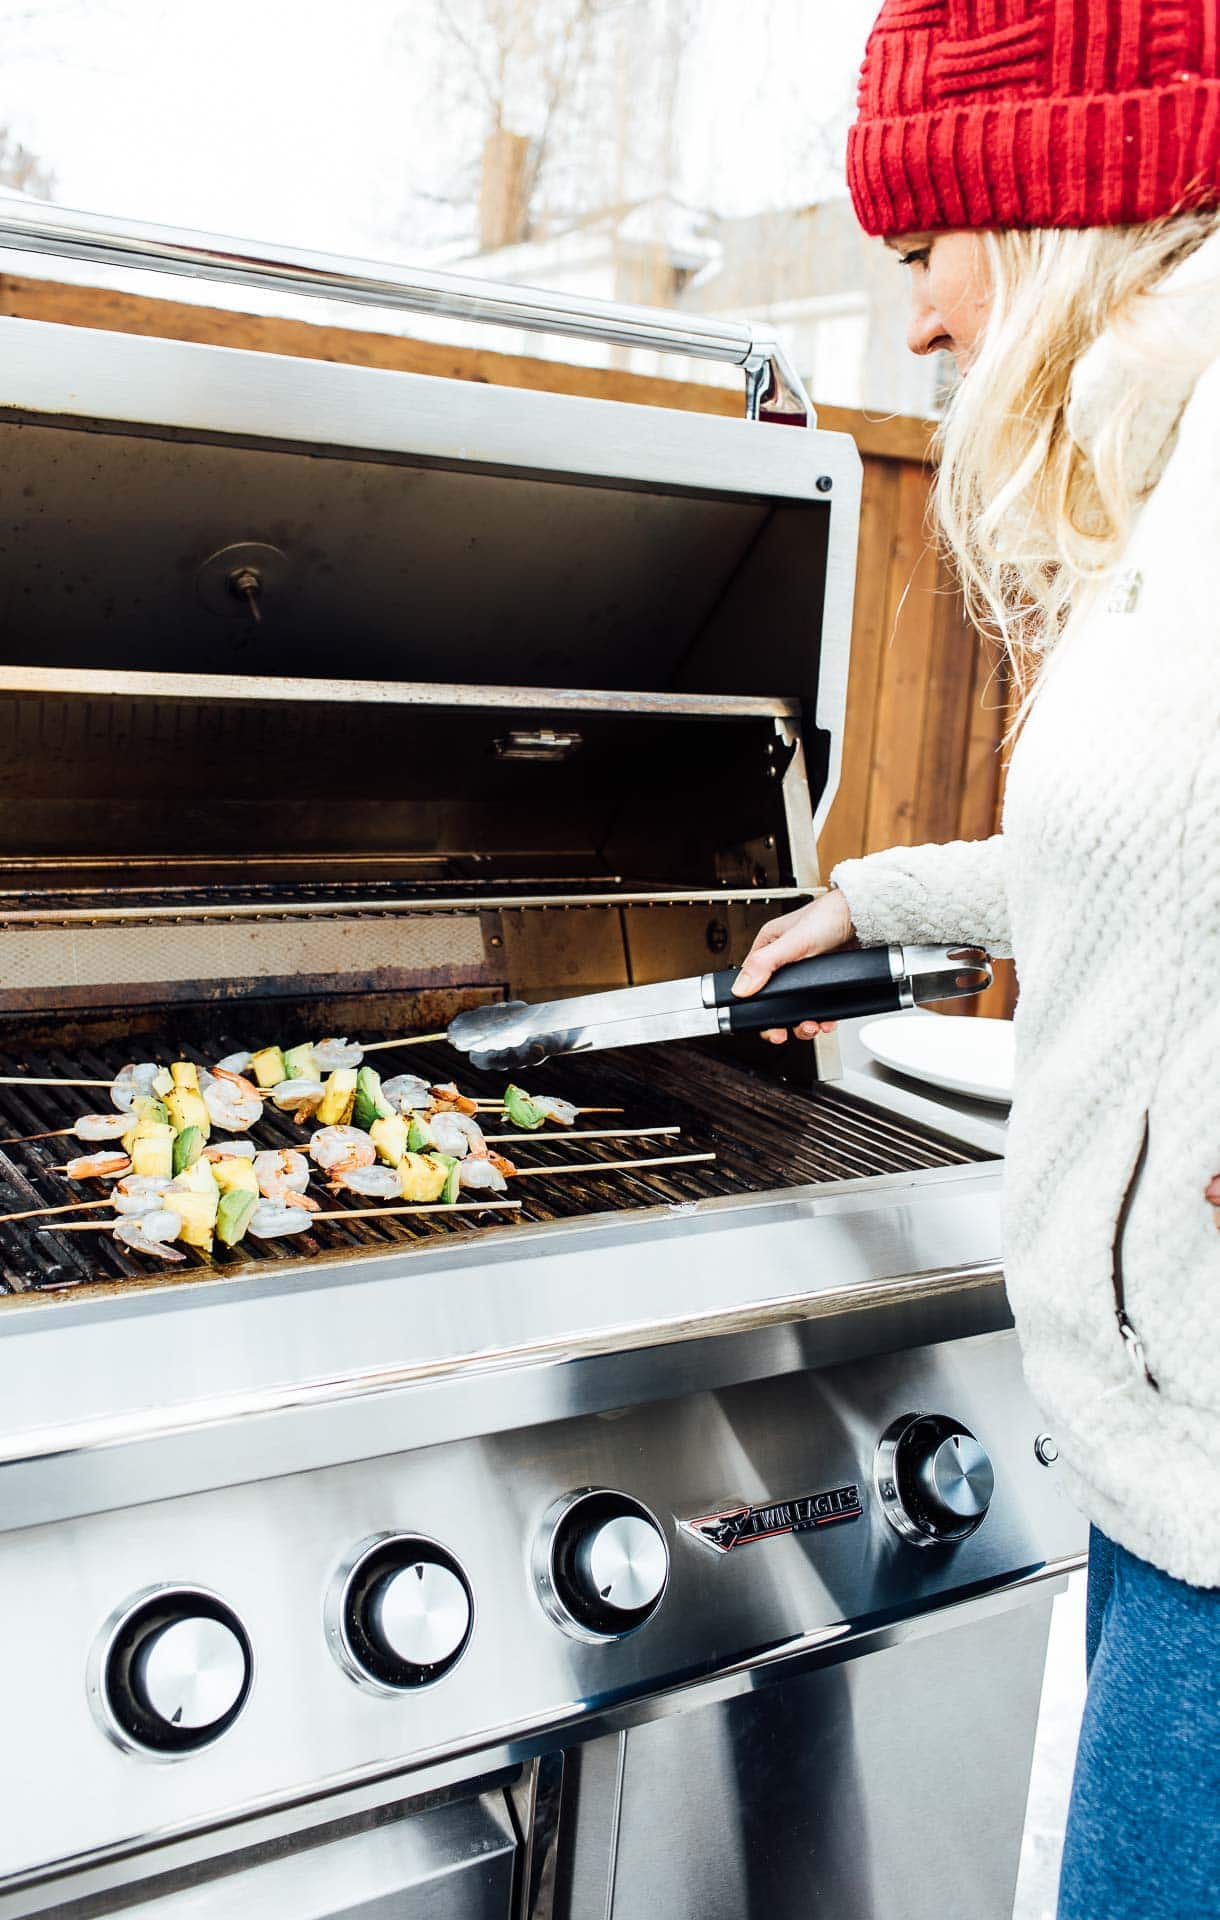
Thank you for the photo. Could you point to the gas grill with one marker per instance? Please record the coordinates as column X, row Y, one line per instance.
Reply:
column 683, row 1542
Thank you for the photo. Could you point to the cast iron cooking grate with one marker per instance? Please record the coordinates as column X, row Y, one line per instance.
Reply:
column 765, row 1137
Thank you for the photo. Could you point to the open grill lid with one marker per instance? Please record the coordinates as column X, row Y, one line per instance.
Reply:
column 260, row 604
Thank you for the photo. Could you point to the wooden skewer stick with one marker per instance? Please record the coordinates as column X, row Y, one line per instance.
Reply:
column 72, row 1206
column 497, row 1106
column 23, row 1080
column 343, row 1213
column 19, row 1139
column 408, row 1040
column 615, row 1166
column 581, row 1133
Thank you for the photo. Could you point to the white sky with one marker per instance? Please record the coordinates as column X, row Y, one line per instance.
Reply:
column 310, row 121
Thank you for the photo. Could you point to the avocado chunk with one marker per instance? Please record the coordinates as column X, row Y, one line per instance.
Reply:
column 188, row 1145
column 368, row 1104
column 233, row 1214
column 301, row 1063
column 521, row 1109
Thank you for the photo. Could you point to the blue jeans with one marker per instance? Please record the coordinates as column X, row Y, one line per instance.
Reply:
column 1143, row 1833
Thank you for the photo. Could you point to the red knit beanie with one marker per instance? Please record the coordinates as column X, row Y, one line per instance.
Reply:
column 1036, row 113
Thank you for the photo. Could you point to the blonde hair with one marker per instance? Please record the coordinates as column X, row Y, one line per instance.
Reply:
column 1033, row 524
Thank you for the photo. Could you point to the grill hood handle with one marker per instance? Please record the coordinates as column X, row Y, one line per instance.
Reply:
column 774, row 391
column 841, row 986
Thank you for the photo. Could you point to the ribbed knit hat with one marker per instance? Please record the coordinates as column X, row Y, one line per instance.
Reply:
column 1036, row 113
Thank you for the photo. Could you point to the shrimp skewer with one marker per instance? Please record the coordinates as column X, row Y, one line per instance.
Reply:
column 151, row 1233
column 233, row 1103
column 339, row 1149
column 283, row 1177
column 371, row 1183
column 96, row 1166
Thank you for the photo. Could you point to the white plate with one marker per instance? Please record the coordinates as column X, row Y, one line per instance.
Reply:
column 963, row 1055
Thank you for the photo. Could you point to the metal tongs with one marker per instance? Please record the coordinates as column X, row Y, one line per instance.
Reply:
column 831, row 986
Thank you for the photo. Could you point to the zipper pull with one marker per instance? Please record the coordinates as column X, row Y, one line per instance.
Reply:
column 1135, row 1348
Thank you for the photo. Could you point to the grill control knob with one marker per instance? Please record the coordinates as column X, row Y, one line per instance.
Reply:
column 934, row 1479
column 420, row 1614
column 601, row 1564
column 400, row 1613
column 172, row 1672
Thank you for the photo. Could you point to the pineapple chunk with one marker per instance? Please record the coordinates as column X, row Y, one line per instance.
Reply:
column 195, row 1198
column 233, row 1173
column 268, row 1066
column 151, row 1121
column 197, row 1214
column 389, row 1136
column 422, row 1178
column 186, row 1109
column 183, row 1073
column 338, row 1099
column 197, row 1179
column 152, row 1153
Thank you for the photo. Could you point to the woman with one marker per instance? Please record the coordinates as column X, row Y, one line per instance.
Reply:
column 1049, row 173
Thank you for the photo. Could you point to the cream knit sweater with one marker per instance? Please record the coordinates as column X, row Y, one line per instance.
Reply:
column 1105, row 886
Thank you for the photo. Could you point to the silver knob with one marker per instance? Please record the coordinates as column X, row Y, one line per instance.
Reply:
column 420, row 1614
column 190, row 1673
column 957, row 1477
column 623, row 1563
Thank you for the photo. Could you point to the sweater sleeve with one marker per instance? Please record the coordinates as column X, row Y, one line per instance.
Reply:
column 931, row 896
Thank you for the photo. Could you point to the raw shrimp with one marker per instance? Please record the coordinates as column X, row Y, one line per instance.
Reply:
column 232, row 1103
column 480, row 1176
column 284, row 1177
column 231, row 1150
column 447, row 1095
column 102, row 1126
column 298, row 1097
column 136, row 1077
column 372, row 1183
column 407, row 1092
column 139, row 1193
column 457, row 1135
column 96, row 1166
column 149, row 1233
column 234, row 1063
column 272, row 1218
column 562, row 1112
column 331, row 1054
column 339, row 1149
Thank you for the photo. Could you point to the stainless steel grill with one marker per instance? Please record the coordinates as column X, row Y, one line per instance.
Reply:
column 764, row 1136
column 587, row 1562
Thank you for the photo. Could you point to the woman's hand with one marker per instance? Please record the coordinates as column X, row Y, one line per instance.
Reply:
column 1211, row 1191
column 818, row 928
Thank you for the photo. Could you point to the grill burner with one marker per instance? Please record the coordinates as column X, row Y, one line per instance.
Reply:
column 765, row 1137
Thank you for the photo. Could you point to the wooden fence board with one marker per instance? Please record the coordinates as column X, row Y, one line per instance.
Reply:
column 846, row 828
column 902, row 696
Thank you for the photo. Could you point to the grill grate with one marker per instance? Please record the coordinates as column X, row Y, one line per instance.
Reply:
column 765, row 1137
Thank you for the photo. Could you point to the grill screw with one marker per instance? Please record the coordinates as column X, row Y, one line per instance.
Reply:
column 246, row 583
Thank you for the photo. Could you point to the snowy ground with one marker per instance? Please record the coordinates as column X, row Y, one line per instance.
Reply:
column 1058, row 1724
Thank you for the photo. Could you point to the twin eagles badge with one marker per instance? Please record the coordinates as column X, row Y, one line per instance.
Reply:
column 740, row 1526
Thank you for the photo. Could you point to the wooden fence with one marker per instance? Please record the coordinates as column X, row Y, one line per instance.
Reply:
column 922, row 756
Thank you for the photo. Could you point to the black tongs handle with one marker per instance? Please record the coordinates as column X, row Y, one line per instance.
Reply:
column 830, row 986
